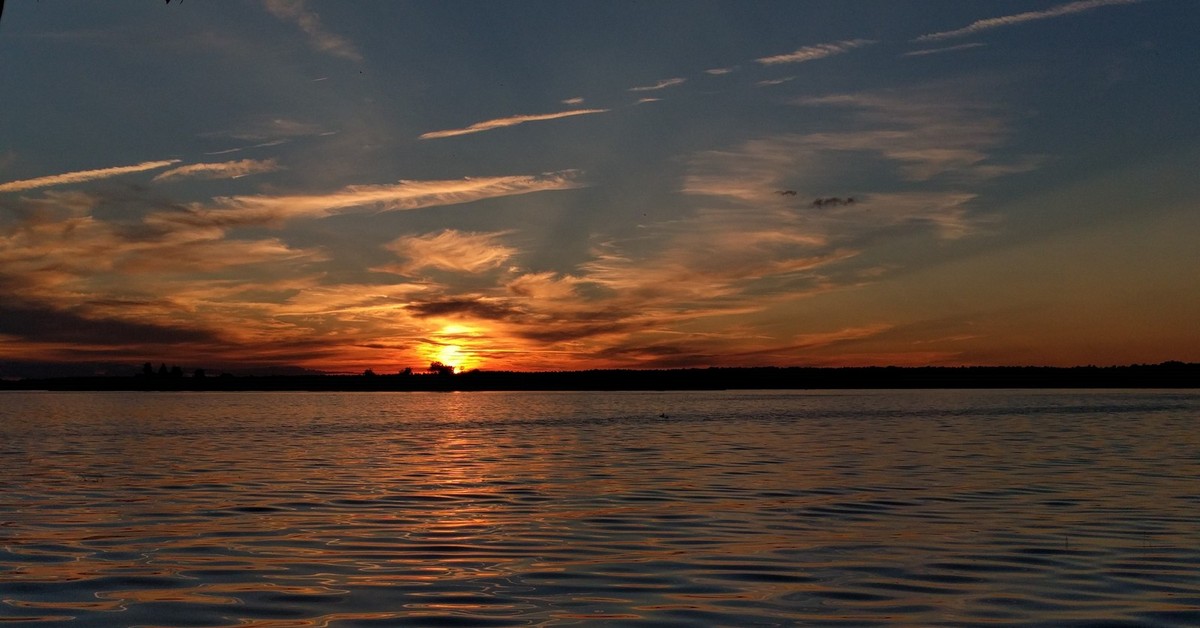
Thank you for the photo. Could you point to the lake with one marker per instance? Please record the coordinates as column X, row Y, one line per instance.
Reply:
column 849, row 508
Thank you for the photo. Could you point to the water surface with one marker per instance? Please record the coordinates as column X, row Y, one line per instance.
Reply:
column 952, row 508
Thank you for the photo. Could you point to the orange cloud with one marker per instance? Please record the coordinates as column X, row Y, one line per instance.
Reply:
column 451, row 250
column 500, row 123
column 663, row 84
column 83, row 175
column 1008, row 20
column 223, row 170
column 231, row 211
column 296, row 12
column 812, row 53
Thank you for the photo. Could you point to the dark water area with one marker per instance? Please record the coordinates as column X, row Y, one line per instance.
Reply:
column 876, row 508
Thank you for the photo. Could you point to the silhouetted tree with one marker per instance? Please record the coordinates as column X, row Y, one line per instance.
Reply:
column 148, row 369
column 368, row 373
column 176, row 371
column 199, row 373
column 407, row 371
column 438, row 368
column 162, row 370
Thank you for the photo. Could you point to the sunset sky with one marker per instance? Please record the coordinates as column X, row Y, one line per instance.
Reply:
column 567, row 185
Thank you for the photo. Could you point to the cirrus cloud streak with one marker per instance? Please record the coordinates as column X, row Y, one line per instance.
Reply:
column 500, row 123
column 230, row 211
column 223, row 170
column 451, row 250
column 298, row 13
column 1029, row 16
column 83, row 175
column 818, row 51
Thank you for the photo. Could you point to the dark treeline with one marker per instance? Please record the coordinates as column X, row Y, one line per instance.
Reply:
column 1165, row 375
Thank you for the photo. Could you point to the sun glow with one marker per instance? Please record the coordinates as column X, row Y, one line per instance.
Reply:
column 452, row 346
column 450, row 355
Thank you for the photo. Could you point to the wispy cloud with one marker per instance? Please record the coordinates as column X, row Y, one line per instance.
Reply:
column 83, row 175
column 450, row 250
column 663, row 84
column 642, row 101
column 812, row 53
column 578, row 100
column 298, row 13
column 544, row 286
column 934, row 51
column 405, row 195
column 719, row 71
column 268, row 131
column 929, row 135
column 500, row 123
column 53, row 254
column 778, row 81
column 929, row 132
column 1029, row 16
column 223, row 170
column 824, row 339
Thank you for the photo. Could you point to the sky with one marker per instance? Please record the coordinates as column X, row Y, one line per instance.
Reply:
column 544, row 185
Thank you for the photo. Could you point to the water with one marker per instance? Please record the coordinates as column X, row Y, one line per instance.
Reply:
column 921, row 508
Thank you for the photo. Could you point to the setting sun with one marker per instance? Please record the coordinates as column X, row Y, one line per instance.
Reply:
column 452, row 345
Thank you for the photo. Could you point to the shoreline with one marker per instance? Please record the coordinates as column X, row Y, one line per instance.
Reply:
column 1164, row 375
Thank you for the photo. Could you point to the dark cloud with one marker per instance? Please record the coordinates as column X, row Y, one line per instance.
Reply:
column 659, row 355
column 40, row 323
column 477, row 308
column 563, row 332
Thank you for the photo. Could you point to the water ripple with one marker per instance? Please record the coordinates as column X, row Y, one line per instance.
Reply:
column 962, row 508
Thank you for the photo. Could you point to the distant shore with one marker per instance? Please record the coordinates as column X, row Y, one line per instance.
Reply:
column 1164, row 375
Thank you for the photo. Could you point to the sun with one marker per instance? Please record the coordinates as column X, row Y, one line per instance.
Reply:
column 451, row 346
column 450, row 355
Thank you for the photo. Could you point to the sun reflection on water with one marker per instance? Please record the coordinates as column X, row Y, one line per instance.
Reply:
column 505, row 509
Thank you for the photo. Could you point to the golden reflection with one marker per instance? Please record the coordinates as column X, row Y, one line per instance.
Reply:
column 317, row 622
column 185, row 596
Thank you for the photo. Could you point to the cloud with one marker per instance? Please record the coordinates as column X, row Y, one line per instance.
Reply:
column 42, row 324
column 748, row 174
column 545, row 286
column 471, row 307
column 663, row 84
column 83, row 175
column 928, row 131
column 357, row 299
column 296, row 12
column 1029, row 16
column 929, row 135
column 719, row 71
column 230, row 211
column 58, row 256
column 223, row 170
column 812, row 53
column 58, row 250
column 934, row 51
column 451, row 250
column 578, row 100
column 499, row 123
column 265, row 132
column 642, row 101
column 202, row 256
column 848, row 334
column 708, row 271
column 778, row 81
